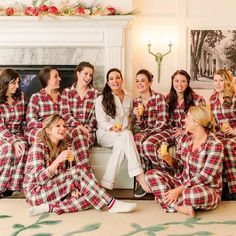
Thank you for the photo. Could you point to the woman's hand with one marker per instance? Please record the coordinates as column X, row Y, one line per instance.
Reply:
column 19, row 148
column 62, row 156
column 172, row 195
column 168, row 159
column 84, row 130
column 178, row 132
column 230, row 130
column 114, row 128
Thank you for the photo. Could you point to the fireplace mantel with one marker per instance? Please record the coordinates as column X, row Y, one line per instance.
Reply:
column 107, row 32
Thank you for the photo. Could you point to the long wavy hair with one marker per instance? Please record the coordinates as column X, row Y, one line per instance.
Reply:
column 80, row 67
column 229, row 87
column 44, row 75
column 42, row 135
column 7, row 76
column 108, row 100
column 188, row 93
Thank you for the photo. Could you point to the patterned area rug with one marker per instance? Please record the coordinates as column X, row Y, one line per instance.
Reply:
column 147, row 219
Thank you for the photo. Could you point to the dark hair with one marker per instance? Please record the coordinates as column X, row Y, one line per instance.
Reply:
column 80, row 67
column 147, row 73
column 188, row 93
column 44, row 75
column 8, row 75
column 108, row 101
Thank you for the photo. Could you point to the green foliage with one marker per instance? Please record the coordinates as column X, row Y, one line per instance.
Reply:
column 38, row 224
column 86, row 228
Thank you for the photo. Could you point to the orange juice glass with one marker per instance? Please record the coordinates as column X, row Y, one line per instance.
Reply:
column 224, row 126
column 140, row 109
column 163, row 150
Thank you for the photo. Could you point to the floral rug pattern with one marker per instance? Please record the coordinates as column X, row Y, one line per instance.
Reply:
column 48, row 224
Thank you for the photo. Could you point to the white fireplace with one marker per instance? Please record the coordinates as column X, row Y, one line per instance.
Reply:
column 29, row 40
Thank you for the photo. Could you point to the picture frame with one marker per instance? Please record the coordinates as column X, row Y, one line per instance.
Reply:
column 210, row 50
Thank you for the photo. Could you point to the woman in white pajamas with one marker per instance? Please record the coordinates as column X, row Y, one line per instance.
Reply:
column 113, row 109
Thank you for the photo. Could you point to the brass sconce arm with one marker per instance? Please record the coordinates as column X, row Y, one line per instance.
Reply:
column 158, row 57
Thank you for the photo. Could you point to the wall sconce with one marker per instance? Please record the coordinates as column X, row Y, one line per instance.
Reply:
column 158, row 57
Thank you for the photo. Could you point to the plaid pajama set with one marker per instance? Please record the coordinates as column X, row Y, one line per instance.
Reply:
column 223, row 113
column 11, row 130
column 199, row 171
column 152, row 130
column 178, row 116
column 77, row 111
column 41, row 105
column 41, row 187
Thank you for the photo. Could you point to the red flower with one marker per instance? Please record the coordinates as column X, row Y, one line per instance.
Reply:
column 53, row 10
column 44, row 8
column 28, row 11
column 10, row 11
column 35, row 12
column 80, row 10
column 111, row 10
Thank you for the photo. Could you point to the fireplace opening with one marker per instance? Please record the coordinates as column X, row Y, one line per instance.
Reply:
column 29, row 77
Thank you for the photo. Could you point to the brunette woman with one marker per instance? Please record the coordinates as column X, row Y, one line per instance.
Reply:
column 43, row 103
column 179, row 99
column 78, row 109
column 113, row 109
column 223, row 107
column 197, row 182
column 150, row 123
column 13, row 146
column 51, row 185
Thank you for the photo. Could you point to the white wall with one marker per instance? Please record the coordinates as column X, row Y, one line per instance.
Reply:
column 161, row 21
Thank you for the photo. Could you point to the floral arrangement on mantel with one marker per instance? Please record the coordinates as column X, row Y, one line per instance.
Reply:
column 48, row 8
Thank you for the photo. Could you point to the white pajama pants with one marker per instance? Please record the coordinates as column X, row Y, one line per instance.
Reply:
column 123, row 146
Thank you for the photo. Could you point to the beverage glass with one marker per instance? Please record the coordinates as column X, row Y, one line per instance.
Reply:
column 224, row 126
column 70, row 157
column 118, row 123
column 163, row 150
column 140, row 109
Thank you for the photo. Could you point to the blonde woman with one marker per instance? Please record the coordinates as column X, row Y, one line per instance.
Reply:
column 197, row 182
column 51, row 185
column 223, row 107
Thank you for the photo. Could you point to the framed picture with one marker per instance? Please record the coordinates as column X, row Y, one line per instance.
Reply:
column 211, row 50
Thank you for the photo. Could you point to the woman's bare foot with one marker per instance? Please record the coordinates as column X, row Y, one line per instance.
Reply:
column 186, row 210
column 142, row 181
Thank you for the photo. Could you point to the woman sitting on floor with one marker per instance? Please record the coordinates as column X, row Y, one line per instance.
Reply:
column 52, row 185
column 197, row 183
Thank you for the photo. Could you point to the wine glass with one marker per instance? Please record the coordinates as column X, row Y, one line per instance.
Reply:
column 70, row 157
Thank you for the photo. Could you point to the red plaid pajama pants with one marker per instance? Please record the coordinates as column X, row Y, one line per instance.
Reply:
column 57, row 192
column 199, row 196
column 229, row 162
column 81, row 144
column 148, row 146
column 12, row 167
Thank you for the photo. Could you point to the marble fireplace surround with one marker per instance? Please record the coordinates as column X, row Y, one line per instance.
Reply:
column 104, row 33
